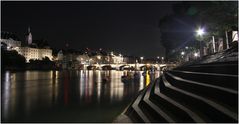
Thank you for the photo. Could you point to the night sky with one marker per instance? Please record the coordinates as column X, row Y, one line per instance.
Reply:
column 127, row 27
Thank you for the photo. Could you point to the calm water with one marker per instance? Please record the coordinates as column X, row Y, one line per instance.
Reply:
column 65, row 96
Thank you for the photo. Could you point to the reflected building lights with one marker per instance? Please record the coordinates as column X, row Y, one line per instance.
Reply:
column 98, row 85
column 90, row 85
column 32, row 90
column 6, row 95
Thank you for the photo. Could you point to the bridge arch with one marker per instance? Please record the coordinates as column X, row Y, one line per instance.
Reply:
column 91, row 67
column 126, row 67
column 106, row 67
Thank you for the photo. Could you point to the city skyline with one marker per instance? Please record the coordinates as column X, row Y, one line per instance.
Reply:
column 127, row 27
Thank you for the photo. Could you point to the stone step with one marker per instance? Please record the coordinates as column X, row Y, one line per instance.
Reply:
column 224, row 96
column 154, row 112
column 135, row 113
column 220, row 69
column 220, row 63
column 227, row 81
column 206, row 108
column 178, row 111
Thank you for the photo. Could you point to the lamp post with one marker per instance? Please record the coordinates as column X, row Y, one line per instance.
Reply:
column 183, row 53
column 158, row 63
column 141, row 58
column 200, row 33
column 195, row 55
column 158, row 59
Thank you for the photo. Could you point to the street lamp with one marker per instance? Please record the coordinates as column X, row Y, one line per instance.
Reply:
column 195, row 54
column 157, row 59
column 200, row 33
column 182, row 53
column 141, row 58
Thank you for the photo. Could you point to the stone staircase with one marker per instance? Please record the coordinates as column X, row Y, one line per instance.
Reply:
column 196, row 93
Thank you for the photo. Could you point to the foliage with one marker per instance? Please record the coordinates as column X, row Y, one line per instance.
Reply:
column 215, row 16
column 12, row 59
column 45, row 63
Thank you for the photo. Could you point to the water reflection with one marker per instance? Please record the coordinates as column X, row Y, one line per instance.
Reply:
column 28, row 96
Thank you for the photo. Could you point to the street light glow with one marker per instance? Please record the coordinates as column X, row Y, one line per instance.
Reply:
column 182, row 53
column 196, row 54
column 200, row 31
column 141, row 58
column 98, row 57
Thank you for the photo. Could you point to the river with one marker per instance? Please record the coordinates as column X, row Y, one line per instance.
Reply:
column 65, row 96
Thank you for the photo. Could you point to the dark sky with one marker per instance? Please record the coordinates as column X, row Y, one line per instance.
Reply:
column 127, row 27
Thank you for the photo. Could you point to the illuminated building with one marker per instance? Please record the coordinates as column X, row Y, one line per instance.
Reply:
column 29, row 52
column 29, row 36
column 35, row 53
column 117, row 59
column 10, row 40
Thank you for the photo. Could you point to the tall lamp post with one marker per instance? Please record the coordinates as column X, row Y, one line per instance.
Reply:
column 158, row 63
column 200, row 33
column 141, row 58
column 162, row 59
column 157, row 59
column 183, row 53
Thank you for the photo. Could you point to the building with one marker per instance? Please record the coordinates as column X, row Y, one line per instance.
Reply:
column 10, row 39
column 29, row 36
column 34, row 53
column 68, row 59
column 60, row 55
column 30, row 51
column 117, row 59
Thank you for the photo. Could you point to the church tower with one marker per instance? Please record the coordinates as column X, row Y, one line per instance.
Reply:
column 29, row 37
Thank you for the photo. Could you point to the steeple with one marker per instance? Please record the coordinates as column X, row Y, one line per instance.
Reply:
column 29, row 29
column 29, row 37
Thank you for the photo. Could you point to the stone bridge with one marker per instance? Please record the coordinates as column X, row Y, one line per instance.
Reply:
column 137, row 66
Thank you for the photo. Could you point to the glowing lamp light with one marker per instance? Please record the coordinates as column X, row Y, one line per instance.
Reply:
column 196, row 54
column 98, row 57
column 200, row 31
column 182, row 53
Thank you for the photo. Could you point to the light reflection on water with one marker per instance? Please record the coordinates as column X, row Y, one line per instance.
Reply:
column 65, row 96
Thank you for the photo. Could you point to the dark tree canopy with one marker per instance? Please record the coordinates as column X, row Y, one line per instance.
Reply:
column 178, row 29
column 12, row 59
